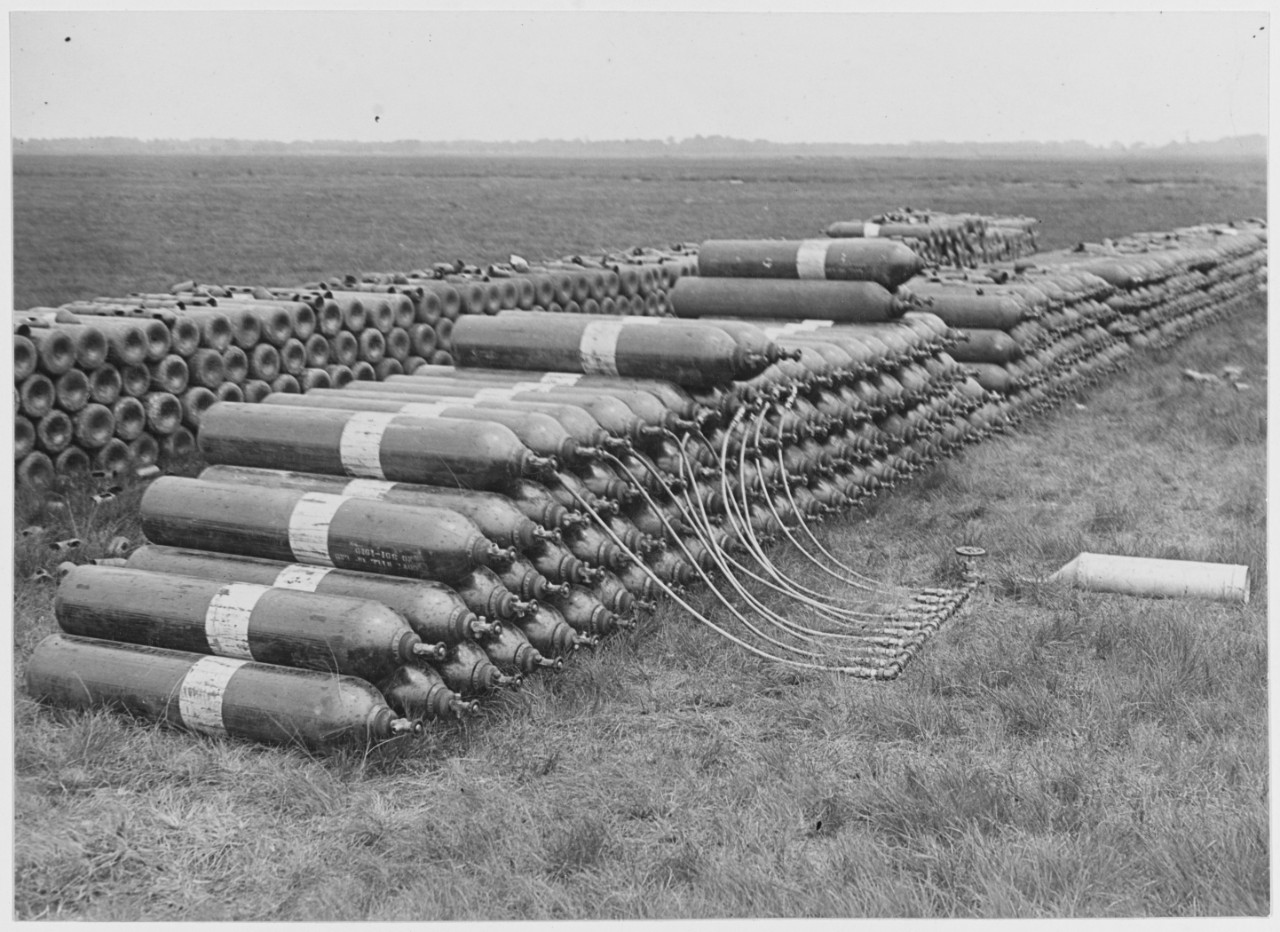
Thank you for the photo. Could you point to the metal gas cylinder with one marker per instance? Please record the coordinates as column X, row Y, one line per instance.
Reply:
column 315, row 528
column 434, row 611
column 211, row 695
column 340, row 634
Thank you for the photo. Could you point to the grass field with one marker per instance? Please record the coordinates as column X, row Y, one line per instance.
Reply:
column 1049, row 753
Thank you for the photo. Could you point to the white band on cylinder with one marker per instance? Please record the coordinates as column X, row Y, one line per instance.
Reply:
column 226, row 620
column 360, row 448
column 200, row 694
column 598, row 348
column 495, row 394
column 309, row 526
column 302, row 578
column 811, row 258
column 561, row 378
column 870, row 229
column 425, row 408
column 367, row 488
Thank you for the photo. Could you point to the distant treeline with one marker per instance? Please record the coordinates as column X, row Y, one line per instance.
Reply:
column 1235, row 147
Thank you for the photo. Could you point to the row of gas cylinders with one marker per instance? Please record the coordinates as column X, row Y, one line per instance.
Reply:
column 948, row 240
column 583, row 504
column 760, row 434
column 115, row 383
column 1027, row 325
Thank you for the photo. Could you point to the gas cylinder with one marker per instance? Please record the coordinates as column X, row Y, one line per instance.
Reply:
column 211, row 695
column 24, row 357
column 844, row 301
column 539, row 432
column 643, row 472
column 970, row 306
column 558, row 564
column 638, row 582
column 671, row 395
column 511, row 652
column 598, row 480
column 689, row 354
column 434, row 611
column 62, row 346
column 24, row 437
column 94, row 426
column 537, row 503
column 522, row 578
column 369, row 444
column 485, row 594
column 126, row 337
column 989, row 346
column 612, row 593
column 315, row 528
column 419, row 693
column 550, row 634
column 631, row 536
column 104, row 379
column 649, row 521
column 244, row 329
column 71, row 390
column 494, row 514
column 469, row 671
column 36, row 395
column 593, row 546
column 53, row 432
column 585, row 613
column 356, row 637
column 886, row 262
column 671, row 568
column 642, row 404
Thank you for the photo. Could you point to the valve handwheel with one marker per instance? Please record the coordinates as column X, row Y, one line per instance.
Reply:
column 968, row 551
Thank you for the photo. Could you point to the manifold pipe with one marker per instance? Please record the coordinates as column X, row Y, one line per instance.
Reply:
column 878, row 671
column 1152, row 578
column 797, row 590
column 740, row 521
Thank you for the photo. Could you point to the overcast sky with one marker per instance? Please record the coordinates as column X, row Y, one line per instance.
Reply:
column 794, row 77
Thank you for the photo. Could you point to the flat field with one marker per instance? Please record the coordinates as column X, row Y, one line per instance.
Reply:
column 1049, row 753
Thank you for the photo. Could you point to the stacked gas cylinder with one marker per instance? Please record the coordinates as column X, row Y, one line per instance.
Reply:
column 113, row 383
column 957, row 240
column 360, row 559
column 104, row 392
column 1037, row 331
column 634, row 282
column 438, row 535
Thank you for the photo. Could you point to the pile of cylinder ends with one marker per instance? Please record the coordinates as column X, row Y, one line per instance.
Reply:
column 370, row 551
